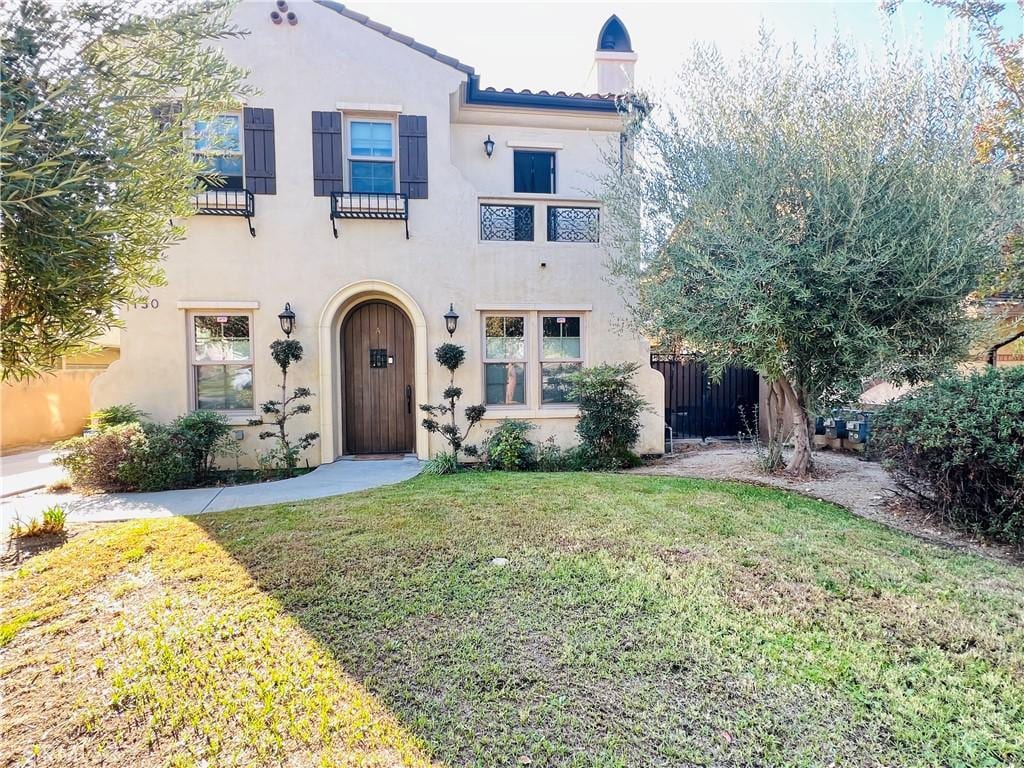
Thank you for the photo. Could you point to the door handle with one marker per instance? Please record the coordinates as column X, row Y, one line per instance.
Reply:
column 408, row 398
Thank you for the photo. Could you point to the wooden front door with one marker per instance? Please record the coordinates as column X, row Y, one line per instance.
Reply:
column 377, row 379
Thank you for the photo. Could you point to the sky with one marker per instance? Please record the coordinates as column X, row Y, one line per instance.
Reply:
column 550, row 45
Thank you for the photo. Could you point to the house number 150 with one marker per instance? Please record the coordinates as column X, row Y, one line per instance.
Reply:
column 149, row 303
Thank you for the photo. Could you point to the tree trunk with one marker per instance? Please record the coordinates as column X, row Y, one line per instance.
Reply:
column 801, row 462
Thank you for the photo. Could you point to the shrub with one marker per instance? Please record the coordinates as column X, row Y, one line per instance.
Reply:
column 159, row 462
column 959, row 445
column 92, row 461
column 508, row 448
column 125, row 457
column 116, row 415
column 609, row 423
column 201, row 435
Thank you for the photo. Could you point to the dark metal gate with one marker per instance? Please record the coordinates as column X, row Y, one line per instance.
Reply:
column 696, row 406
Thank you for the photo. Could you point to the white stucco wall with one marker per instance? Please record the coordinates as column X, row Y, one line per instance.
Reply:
column 324, row 60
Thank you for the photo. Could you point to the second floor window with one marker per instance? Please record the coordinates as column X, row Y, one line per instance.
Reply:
column 219, row 147
column 371, row 155
column 533, row 172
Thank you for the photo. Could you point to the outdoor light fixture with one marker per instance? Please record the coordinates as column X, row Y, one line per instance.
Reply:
column 287, row 318
column 489, row 145
column 451, row 319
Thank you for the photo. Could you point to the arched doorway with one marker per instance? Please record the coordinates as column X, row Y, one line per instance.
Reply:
column 378, row 379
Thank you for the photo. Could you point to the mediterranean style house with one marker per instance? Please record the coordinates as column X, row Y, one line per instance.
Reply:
column 374, row 187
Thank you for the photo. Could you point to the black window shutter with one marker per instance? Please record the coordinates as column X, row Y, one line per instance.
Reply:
column 327, row 157
column 533, row 172
column 412, row 155
column 260, row 159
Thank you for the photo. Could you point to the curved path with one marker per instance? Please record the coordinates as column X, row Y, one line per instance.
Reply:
column 326, row 480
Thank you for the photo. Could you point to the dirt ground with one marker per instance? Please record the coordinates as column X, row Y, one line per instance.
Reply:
column 863, row 487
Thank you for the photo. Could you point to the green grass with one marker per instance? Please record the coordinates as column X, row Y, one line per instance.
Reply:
column 639, row 621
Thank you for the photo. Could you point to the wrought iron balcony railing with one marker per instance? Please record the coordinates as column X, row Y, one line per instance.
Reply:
column 506, row 222
column 227, row 202
column 389, row 206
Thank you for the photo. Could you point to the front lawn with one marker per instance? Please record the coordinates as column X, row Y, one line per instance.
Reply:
column 638, row 621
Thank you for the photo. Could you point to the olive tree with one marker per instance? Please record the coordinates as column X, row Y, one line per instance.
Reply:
column 820, row 219
column 97, row 98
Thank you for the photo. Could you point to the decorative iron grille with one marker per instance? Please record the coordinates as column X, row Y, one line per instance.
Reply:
column 389, row 206
column 506, row 222
column 574, row 225
column 227, row 202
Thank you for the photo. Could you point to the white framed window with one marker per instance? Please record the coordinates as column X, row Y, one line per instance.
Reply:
column 527, row 356
column 505, row 359
column 218, row 144
column 371, row 155
column 561, row 354
column 221, row 361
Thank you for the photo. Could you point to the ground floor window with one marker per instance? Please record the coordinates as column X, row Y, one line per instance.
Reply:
column 505, row 359
column 561, row 355
column 527, row 357
column 221, row 361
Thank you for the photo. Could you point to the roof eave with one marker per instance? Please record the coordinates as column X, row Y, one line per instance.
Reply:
column 477, row 95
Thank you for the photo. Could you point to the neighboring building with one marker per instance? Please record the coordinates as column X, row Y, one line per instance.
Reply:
column 56, row 404
column 384, row 185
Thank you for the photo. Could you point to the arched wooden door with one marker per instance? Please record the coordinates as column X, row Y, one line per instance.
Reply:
column 378, row 373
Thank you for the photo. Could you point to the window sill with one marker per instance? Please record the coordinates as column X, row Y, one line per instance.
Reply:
column 497, row 412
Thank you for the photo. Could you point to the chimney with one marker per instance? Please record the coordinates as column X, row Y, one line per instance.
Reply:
column 614, row 58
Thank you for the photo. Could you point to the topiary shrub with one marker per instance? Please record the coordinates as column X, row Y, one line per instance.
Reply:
column 451, row 356
column 609, row 423
column 507, row 447
column 286, row 453
column 958, row 444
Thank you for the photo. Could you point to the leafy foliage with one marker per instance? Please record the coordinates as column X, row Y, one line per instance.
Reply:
column 124, row 457
column 959, row 443
column 609, row 423
column 201, row 435
column 121, row 455
column 286, row 453
column 507, row 447
column 451, row 356
column 160, row 459
column 116, row 414
column 91, row 179
column 820, row 221
column 1000, row 133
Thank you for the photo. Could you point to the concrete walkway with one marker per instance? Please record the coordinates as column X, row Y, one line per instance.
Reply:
column 25, row 470
column 326, row 480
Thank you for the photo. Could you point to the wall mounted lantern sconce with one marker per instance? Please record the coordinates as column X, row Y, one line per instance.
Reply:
column 489, row 145
column 287, row 318
column 451, row 320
